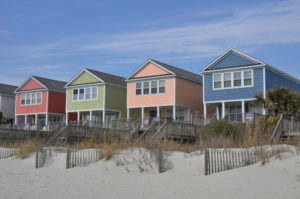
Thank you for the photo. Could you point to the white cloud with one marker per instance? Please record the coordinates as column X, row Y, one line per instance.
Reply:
column 246, row 28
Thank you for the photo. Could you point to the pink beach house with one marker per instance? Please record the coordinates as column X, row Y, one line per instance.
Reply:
column 159, row 90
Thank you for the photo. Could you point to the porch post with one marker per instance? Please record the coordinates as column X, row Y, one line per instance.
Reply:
column 243, row 110
column 264, row 110
column 120, row 115
column 223, row 110
column 67, row 117
column 91, row 113
column 174, row 112
column 36, row 119
column 16, row 119
column 158, row 112
column 204, row 110
column 217, row 109
column 103, row 116
column 25, row 119
column 46, row 122
column 143, row 116
column 189, row 114
column 128, row 113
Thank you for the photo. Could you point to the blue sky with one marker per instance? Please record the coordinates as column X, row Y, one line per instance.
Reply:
column 57, row 38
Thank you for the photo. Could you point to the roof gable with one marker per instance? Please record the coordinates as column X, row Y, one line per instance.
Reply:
column 31, row 84
column 149, row 70
column 232, row 58
column 171, row 70
column 84, row 77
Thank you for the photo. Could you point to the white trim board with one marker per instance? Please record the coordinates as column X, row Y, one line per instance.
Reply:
column 83, row 70
column 147, row 62
column 234, row 100
column 226, row 53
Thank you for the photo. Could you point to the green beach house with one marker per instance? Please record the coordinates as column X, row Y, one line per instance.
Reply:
column 95, row 96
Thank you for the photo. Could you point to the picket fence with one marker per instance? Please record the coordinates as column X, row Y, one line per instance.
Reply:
column 218, row 160
column 7, row 152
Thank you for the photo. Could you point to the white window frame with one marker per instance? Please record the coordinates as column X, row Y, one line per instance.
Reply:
column 139, row 88
column 84, row 94
column 232, row 80
column 251, row 78
column 213, row 81
column 150, row 86
column 30, row 103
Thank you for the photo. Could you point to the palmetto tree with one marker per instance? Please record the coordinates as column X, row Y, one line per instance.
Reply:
column 281, row 100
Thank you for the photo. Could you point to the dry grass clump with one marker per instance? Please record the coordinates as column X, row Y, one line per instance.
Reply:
column 27, row 147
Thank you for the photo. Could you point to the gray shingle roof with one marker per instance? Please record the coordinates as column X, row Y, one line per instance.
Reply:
column 180, row 72
column 52, row 84
column 7, row 89
column 109, row 78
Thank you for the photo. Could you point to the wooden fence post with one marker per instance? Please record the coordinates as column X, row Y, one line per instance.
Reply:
column 206, row 160
column 160, row 161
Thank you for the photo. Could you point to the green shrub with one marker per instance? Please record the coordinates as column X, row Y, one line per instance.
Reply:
column 219, row 128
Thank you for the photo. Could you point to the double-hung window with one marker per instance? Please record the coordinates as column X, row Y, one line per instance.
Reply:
column 94, row 92
column 75, row 94
column 81, row 94
column 217, row 81
column 162, row 86
column 247, row 78
column 237, row 79
column 23, row 99
column 87, row 93
column 138, row 88
column 39, row 98
column 33, row 98
column 154, row 87
column 28, row 98
column 146, row 88
column 227, row 80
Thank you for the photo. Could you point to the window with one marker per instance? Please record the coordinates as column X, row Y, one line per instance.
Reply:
column 247, row 78
column 75, row 94
column 150, row 87
column 81, row 94
column 88, row 93
column 94, row 92
column 146, row 88
column 227, row 80
column 28, row 98
column 39, row 98
column 138, row 88
column 153, row 87
column 33, row 98
column 162, row 86
column 237, row 79
column 23, row 99
column 217, row 81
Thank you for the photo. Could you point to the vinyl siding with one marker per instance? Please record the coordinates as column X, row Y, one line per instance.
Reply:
column 7, row 106
column 234, row 93
column 275, row 80
column 85, row 105
column 115, row 97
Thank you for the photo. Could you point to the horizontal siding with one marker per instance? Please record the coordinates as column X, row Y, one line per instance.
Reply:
column 275, row 80
column 7, row 106
column 234, row 93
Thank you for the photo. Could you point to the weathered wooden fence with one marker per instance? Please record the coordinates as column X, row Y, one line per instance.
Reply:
column 40, row 157
column 76, row 157
column 7, row 152
column 218, row 160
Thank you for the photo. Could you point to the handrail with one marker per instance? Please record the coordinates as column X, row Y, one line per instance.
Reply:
column 57, row 134
column 157, row 132
column 146, row 131
column 276, row 131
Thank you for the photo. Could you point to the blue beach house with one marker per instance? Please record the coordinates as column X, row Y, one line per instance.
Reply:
column 232, row 80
